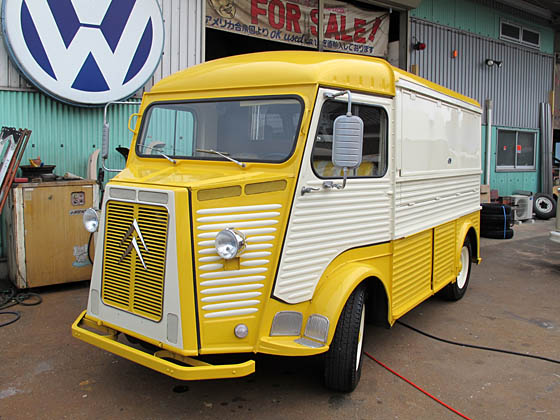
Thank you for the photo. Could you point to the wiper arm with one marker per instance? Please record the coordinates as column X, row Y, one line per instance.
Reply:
column 224, row 155
column 161, row 153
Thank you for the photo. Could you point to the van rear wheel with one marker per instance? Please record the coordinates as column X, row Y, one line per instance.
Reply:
column 343, row 361
column 456, row 290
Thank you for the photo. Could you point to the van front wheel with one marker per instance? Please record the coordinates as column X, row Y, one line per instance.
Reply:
column 457, row 289
column 343, row 361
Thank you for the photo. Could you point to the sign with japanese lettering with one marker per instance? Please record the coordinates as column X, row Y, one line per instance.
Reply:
column 346, row 28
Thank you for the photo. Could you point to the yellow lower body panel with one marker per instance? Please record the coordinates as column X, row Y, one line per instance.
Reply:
column 287, row 346
column 197, row 369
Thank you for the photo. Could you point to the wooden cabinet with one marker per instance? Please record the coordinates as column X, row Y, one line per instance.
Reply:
column 46, row 240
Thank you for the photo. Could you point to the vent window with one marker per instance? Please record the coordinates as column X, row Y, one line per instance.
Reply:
column 517, row 33
column 531, row 37
column 510, row 31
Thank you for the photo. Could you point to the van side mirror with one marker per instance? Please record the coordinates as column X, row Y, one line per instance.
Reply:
column 105, row 141
column 348, row 140
column 347, row 143
column 105, row 133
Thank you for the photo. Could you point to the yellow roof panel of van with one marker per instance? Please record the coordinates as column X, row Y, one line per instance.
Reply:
column 292, row 68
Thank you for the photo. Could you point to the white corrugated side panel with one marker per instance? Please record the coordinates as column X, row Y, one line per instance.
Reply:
column 183, row 23
column 425, row 203
column 325, row 223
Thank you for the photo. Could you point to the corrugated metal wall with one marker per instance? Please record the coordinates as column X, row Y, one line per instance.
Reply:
column 65, row 135
column 482, row 17
column 524, row 80
column 183, row 23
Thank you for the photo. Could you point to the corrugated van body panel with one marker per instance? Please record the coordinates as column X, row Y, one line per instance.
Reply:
column 424, row 203
column 445, row 245
column 412, row 272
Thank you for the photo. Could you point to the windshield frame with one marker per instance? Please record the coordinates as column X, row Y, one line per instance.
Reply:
column 212, row 158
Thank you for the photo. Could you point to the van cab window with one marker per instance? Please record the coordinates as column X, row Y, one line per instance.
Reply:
column 247, row 130
column 374, row 152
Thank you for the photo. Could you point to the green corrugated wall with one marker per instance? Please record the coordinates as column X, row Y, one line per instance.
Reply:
column 508, row 182
column 477, row 19
column 64, row 135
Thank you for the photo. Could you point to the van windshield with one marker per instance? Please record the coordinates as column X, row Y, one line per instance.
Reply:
column 262, row 130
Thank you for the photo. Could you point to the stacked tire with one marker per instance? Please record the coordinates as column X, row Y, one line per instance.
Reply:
column 496, row 221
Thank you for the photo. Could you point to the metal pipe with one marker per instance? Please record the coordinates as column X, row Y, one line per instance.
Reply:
column 105, row 130
column 488, row 140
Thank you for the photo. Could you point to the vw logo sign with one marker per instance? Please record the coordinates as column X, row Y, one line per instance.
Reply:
column 85, row 52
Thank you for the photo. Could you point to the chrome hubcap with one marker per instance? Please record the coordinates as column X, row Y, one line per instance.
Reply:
column 360, row 337
column 462, row 277
column 543, row 204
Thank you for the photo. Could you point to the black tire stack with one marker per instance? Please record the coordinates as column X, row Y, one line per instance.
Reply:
column 496, row 221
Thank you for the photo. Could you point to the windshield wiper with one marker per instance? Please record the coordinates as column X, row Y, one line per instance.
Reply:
column 161, row 153
column 224, row 155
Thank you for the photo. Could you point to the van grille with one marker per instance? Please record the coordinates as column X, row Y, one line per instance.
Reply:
column 132, row 229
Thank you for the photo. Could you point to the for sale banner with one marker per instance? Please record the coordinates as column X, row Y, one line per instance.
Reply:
column 346, row 28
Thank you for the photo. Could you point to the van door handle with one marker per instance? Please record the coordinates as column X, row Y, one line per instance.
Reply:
column 305, row 190
column 329, row 185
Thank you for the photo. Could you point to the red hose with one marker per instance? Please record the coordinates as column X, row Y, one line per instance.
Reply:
column 417, row 387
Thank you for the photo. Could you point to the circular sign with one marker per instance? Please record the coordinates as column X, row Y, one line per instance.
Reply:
column 85, row 52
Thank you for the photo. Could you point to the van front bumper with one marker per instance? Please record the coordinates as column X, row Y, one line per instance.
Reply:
column 106, row 339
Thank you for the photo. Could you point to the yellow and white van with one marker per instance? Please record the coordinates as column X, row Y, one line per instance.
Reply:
column 272, row 203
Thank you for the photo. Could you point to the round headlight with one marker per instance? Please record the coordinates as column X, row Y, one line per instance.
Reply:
column 229, row 243
column 91, row 220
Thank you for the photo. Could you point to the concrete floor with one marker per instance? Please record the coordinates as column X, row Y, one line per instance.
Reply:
column 512, row 303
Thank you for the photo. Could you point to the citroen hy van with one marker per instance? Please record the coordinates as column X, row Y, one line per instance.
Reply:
column 274, row 203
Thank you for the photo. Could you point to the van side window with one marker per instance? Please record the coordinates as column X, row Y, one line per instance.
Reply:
column 374, row 154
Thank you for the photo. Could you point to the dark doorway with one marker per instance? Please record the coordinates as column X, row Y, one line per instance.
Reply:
column 221, row 44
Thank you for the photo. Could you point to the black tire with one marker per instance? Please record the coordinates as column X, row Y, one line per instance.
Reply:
column 456, row 290
column 495, row 208
column 492, row 219
column 496, row 228
column 495, row 222
column 343, row 361
column 497, row 234
column 544, row 206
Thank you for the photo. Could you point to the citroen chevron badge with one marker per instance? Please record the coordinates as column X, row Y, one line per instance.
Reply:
column 84, row 52
column 134, row 243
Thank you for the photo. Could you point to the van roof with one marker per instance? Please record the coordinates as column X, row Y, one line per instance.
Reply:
column 285, row 68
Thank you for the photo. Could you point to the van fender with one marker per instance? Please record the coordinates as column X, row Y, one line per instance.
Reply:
column 463, row 228
column 337, row 286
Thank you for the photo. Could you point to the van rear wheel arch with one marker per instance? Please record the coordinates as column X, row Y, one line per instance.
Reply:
column 377, row 303
column 472, row 237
